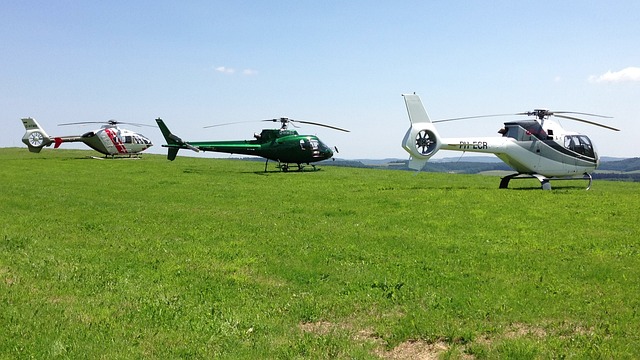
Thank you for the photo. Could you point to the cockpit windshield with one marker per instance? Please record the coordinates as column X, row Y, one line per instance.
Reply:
column 309, row 144
column 580, row 144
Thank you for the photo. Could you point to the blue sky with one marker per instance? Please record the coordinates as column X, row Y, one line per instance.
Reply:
column 345, row 63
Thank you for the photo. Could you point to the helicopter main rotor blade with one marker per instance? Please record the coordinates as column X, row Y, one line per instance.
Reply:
column 231, row 123
column 541, row 114
column 284, row 121
column 319, row 124
column 246, row 122
column 83, row 123
column 471, row 117
column 110, row 122
column 588, row 122
column 136, row 124
column 580, row 113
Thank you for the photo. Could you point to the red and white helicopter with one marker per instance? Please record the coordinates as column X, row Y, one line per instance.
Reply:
column 109, row 140
column 538, row 148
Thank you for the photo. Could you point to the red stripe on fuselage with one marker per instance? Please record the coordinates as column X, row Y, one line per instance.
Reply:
column 116, row 141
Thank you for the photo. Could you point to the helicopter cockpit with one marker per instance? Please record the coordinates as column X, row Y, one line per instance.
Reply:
column 530, row 130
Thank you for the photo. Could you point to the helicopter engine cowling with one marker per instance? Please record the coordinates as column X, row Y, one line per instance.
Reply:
column 421, row 140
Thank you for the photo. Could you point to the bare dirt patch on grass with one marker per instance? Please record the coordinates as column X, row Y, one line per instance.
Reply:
column 417, row 349
column 410, row 349
column 424, row 350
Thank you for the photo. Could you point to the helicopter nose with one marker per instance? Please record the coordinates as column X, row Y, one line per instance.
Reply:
column 326, row 152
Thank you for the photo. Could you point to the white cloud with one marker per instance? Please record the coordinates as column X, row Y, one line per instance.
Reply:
column 625, row 75
column 231, row 71
column 225, row 70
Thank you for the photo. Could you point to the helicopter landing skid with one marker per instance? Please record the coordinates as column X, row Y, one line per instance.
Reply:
column 285, row 167
column 130, row 157
column 545, row 182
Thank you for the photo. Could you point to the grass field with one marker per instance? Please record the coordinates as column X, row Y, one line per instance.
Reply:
column 204, row 258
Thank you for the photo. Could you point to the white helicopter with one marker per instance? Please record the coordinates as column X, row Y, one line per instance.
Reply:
column 109, row 140
column 538, row 148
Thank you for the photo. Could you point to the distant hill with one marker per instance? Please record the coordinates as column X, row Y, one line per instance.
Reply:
column 632, row 164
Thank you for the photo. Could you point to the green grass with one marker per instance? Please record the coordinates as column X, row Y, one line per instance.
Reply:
column 204, row 258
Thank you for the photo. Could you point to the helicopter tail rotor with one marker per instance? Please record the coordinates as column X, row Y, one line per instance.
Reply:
column 35, row 137
column 421, row 140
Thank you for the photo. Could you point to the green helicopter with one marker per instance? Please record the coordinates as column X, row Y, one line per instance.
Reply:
column 282, row 145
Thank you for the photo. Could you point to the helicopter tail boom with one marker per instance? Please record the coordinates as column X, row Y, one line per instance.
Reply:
column 422, row 140
column 35, row 137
